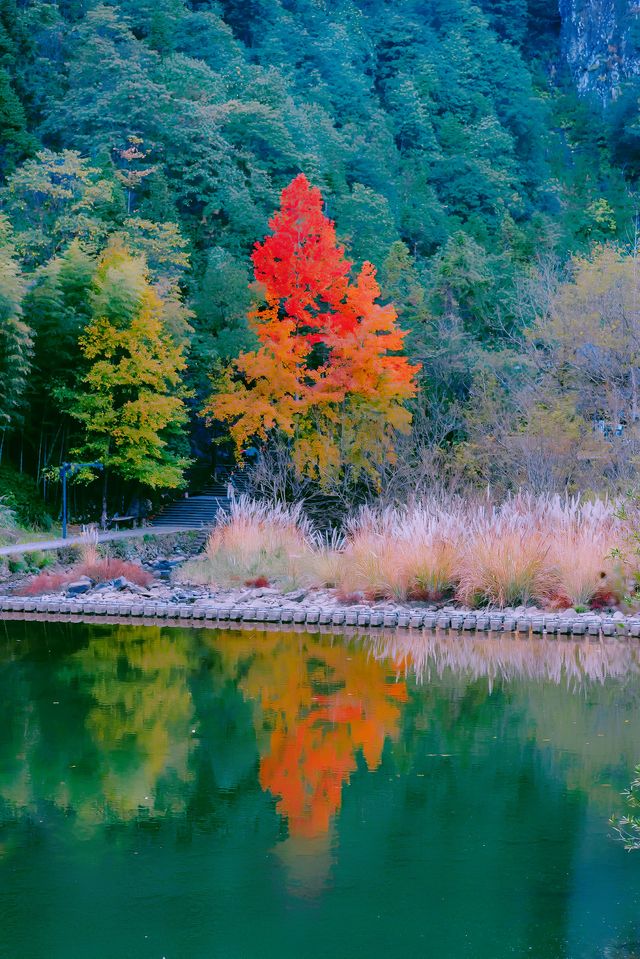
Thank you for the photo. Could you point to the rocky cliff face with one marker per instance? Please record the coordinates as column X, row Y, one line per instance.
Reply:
column 601, row 43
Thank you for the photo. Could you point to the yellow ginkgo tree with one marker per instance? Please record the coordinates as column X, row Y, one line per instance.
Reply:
column 130, row 396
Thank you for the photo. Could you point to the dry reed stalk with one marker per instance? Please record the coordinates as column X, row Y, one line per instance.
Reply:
column 89, row 545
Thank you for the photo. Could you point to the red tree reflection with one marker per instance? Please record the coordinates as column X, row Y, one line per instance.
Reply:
column 320, row 706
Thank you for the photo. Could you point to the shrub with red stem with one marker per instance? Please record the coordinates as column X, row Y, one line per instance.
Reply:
column 604, row 597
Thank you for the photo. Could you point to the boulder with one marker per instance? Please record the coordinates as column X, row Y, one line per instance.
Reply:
column 296, row 595
column 120, row 582
column 82, row 585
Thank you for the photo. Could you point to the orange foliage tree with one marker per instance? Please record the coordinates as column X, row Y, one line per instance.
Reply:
column 328, row 373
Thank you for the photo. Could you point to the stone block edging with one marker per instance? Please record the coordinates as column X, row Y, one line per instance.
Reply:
column 314, row 618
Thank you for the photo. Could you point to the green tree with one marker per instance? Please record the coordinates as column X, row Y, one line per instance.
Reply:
column 15, row 141
column 15, row 336
column 55, row 198
column 57, row 307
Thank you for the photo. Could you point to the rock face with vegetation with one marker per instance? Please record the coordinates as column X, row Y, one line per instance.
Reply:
column 601, row 44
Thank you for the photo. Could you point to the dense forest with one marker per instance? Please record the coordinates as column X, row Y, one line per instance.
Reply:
column 144, row 147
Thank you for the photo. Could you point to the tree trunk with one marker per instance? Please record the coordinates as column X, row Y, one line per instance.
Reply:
column 44, row 464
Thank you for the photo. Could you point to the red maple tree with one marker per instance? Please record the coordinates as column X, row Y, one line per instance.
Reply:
column 329, row 372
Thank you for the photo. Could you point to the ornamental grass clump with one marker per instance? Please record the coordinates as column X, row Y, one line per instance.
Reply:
column 548, row 551
column 89, row 552
column 101, row 569
column 323, row 566
column 582, row 539
column 506, row 562
column 254, row 542
column 46, row 583
column 370, row 558
column 407, row 553
column 432, row 536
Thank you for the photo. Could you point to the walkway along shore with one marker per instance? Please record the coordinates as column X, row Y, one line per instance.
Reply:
column 48, row 544
column 334, row 619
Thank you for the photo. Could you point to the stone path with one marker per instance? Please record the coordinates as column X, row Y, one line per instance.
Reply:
column 47, row 544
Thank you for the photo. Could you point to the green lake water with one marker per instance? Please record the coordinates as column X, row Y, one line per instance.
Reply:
column 208, row 794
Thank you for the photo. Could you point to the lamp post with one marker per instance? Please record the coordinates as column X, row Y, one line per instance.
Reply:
column 70, row 469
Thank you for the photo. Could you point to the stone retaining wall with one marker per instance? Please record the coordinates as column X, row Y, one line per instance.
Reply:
column 340, row 617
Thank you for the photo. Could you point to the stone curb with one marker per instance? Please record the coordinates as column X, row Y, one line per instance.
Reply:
column 353, row 618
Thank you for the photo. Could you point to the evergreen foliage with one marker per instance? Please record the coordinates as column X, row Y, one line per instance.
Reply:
column 19, row 492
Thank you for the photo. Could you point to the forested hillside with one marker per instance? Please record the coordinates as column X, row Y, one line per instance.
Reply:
column 144, row 146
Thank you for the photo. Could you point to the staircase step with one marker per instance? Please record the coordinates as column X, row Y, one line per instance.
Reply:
column 193, row 512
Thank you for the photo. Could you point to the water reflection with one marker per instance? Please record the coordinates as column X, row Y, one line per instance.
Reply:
column 140, row 719
column 317, row 706
column 106, row 736
column 385, row 752
column 111, row 731
column 573, row 664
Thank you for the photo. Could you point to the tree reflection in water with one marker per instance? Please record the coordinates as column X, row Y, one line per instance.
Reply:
column 104, row 736
column 109, row 730
column 139, row 720
column 318, row 707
